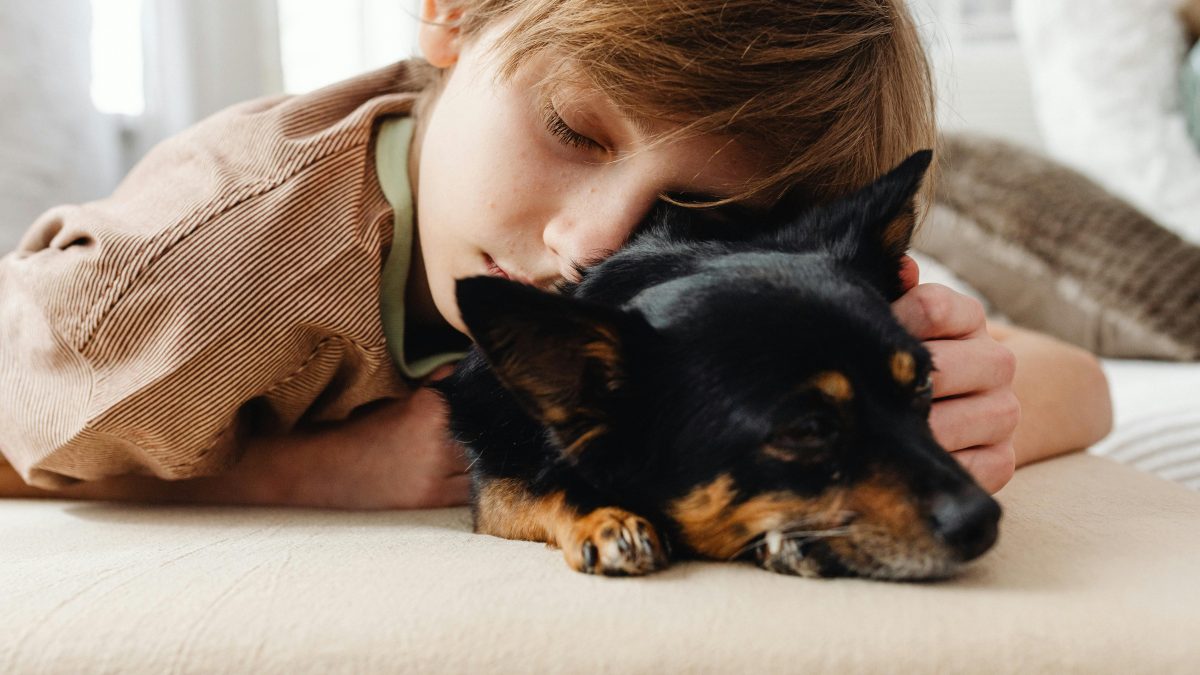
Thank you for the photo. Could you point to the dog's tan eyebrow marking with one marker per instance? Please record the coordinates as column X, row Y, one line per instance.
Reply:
column 779, row 454
column 834, row 384
column 904, row 368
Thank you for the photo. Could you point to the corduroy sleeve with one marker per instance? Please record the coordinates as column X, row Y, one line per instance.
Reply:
column 228, row 287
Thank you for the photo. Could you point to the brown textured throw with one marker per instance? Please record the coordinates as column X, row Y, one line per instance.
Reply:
column 1189, row 11
column 1057, row 253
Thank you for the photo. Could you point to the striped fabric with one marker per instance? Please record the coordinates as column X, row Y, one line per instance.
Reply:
column 228, row 287
column 1166, row 444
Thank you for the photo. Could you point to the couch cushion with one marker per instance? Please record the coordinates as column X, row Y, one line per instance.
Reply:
column 1094, row 572
column 1053, row 251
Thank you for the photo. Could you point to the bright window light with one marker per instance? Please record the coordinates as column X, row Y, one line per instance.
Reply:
column 322, row 42
column 117, row 82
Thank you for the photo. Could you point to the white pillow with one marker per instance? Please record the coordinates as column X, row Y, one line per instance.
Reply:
column 1156, row 418
column 1105, row 76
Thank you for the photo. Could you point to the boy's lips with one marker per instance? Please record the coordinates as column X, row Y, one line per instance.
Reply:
column 497, row 271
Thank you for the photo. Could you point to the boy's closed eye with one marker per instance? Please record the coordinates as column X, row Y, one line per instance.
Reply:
column 725, row 214
column 562, row 131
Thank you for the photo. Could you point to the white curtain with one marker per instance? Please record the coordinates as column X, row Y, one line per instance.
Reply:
column 202, row 56
column 54, row 146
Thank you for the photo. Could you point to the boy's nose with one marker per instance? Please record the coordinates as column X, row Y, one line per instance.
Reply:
column 967, row 522
column 595, row 227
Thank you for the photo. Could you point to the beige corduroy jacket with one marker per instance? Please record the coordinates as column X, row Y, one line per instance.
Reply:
column 229, row 286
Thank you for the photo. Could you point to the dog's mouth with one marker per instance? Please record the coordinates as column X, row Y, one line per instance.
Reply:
column 856, row 547
column 828, row 557
column 798, row 555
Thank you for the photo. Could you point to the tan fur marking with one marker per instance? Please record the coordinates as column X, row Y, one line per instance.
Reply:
column 780, row 454
column 506, row 509
column 586, row 437
column 897, row 234
column 904, row 368
column 604, row 351
column 835, row 385
column 894, row 528
column 714, row 528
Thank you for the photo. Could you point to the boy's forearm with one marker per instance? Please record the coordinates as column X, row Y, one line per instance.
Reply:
column 1064, row 396
column 260, row 478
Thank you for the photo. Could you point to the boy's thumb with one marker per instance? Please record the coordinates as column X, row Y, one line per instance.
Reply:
column 910, row 274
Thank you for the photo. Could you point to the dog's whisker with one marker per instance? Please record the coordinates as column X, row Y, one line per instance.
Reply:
column 780, row 536
column 813, row 534
column 468, row 469
column 824, row 517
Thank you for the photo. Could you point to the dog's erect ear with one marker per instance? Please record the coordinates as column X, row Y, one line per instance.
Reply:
column 563, row 359
column 871, row 228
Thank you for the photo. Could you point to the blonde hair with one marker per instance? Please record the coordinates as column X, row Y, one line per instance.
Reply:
column 829, row 93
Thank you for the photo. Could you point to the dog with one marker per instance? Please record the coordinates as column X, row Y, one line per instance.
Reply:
column 723, row 393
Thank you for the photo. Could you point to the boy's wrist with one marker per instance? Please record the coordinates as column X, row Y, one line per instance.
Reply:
column 1064, row 394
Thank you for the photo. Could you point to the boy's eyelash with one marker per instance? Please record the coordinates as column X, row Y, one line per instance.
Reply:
column 563, row 132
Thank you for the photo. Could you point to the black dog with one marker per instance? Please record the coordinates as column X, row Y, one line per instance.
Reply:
column 746, row 396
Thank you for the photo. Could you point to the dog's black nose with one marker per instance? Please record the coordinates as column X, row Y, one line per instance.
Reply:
column 967, row 522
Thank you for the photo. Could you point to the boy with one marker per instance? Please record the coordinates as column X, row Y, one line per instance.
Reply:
column 250, row 314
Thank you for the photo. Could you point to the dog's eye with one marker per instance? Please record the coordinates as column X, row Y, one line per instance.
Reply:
column 807, row 433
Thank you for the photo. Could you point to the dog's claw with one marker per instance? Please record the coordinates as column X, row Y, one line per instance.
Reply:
column 589, row 557
column 614, row 542
column 623, row 543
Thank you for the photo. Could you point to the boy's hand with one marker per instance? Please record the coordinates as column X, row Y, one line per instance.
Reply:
column 397, row 455
column 975, row 411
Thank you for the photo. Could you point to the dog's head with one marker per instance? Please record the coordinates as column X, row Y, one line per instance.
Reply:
column 758, row 397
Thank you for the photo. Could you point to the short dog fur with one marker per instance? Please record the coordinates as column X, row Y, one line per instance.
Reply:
column 720, row 392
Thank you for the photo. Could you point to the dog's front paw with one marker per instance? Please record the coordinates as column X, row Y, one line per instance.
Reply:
column 614, row 542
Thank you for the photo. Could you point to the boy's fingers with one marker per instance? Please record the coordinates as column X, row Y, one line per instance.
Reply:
column 931, row 311
column 456, row 492
column 991, row 466
column 969, row 421
column 966, row 366
column 456, row 458
column 910, row 273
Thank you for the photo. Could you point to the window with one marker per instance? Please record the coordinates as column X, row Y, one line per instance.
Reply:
column 322, row 42
column 987, row 19
column 117, row 81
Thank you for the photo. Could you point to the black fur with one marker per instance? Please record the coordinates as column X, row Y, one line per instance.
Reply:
column 689, row 350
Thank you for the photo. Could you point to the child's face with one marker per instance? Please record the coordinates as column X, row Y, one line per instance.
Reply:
column 504, row 187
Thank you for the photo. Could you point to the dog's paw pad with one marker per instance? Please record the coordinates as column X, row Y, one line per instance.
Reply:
column 614, row 542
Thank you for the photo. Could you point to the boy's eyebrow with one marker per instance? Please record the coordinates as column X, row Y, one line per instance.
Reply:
column 639, row 124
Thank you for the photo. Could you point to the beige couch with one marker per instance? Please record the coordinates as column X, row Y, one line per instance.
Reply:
column 1096, row 571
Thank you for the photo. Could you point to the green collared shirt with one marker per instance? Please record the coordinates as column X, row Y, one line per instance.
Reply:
column 391, row 165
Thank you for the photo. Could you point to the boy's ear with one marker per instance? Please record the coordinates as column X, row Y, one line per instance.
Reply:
column 438, row 36
column 871, row 228
column 564, row 360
